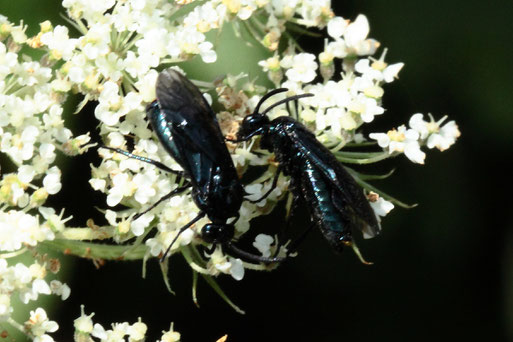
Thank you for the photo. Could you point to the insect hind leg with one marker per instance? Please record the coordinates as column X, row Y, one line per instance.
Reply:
column 237, row 252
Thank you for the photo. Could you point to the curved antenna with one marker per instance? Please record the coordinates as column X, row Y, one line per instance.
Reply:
column 292, row 98
column 268, row 95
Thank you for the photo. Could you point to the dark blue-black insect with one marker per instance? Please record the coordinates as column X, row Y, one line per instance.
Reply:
column 188, row 129
column 336, row 203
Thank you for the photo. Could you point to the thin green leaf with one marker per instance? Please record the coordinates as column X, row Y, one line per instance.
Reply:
column 145, row 260
column 195, row 265
column 82, row 104
column 194, row 288
column 213, row 284
column 195, row 255
column 164, row 268
column 362, row 157
column 253, row 32
column 364, row 176
column 192, row 255
column 93, row 250
column 384, row 195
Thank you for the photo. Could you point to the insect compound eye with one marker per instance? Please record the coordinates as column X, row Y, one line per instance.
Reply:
column 249, row 122
column 252, row 123
column 217, row 233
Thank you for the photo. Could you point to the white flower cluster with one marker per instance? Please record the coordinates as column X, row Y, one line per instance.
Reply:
column 338, row 107
column 86, row 330
column 421, row 133
column 38, row 325
column 28, row 283
column 341, row 104
column 265, row 19
column 31, row 124
column 32, row 131
column 114, row 61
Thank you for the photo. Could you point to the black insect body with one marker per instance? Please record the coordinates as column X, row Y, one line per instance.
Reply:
column 187, row 128
column 336, row 203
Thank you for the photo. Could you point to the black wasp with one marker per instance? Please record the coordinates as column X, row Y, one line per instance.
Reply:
column 188, row 129
column 336, row 203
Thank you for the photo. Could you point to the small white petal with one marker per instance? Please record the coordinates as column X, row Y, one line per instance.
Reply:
column 236, row 269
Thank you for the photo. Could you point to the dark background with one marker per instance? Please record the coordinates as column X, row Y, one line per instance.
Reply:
column 442, row 270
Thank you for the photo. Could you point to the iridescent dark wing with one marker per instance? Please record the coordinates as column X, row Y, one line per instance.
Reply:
column 188, row 129
column 345, row 194
column 325, row 205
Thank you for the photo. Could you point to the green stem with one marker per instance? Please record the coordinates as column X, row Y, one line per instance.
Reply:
column 366, row 177
column 252, row 31
column 362, row 157
column 194, row 260
column 13, row 254
column 384, row 195
column 18, row 327
column 194, row 288
column 172, row 60
column 213, row 284
column 79, row 234
column 93, row 250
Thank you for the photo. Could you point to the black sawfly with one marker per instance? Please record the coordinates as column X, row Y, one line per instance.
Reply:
column 187, row 127
column 336, row 204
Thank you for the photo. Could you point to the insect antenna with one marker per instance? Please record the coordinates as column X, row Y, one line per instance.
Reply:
column 268, row 95
column 292, row 98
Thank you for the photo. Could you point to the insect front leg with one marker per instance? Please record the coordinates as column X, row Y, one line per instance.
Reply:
column 291, row 206
column 144, row 159
column 188, row 225
column 292, row 247
column 273, row 185
column 163, row 198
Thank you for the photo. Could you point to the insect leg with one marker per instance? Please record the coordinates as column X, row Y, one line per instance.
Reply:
column 295, row 244
column 211, row 249
column 290, row 207
column 273, row 186
column 163, row 198
column 144, row 159
column 193, row 221
column 237, row 252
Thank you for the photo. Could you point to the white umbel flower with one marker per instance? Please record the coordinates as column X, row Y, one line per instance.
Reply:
column 302, row 68
column 401, row 140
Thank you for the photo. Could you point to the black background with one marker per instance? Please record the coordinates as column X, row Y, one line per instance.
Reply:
column 442, row 270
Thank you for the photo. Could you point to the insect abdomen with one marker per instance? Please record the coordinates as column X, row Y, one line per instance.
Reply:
column 333, row 223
